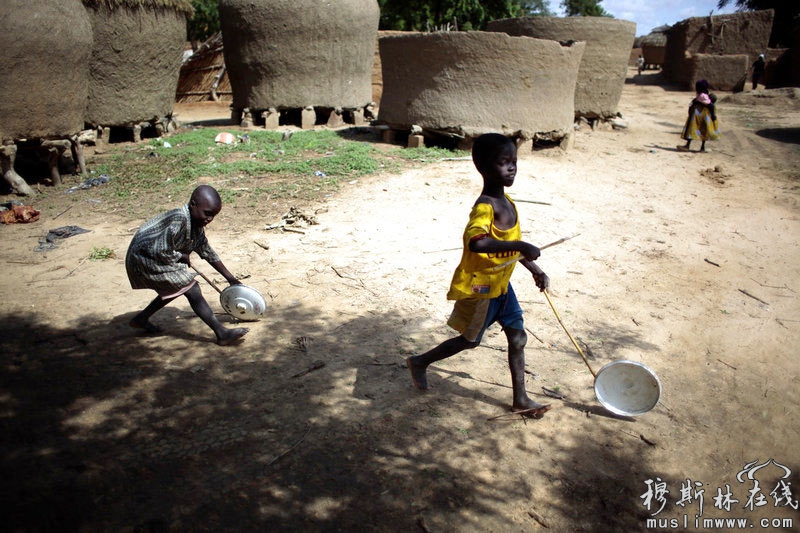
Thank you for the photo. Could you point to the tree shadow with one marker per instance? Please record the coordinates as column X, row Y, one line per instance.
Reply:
column 104, row 428
column 784, row 135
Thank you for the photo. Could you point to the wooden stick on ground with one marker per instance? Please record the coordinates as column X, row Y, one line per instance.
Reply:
column 308, row 428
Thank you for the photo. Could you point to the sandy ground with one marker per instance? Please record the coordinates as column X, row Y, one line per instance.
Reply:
column 693, row 271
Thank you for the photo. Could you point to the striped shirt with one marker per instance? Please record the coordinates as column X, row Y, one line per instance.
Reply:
column 153, row 258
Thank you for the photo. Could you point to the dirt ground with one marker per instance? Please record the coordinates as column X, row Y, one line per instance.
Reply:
column 312, row 423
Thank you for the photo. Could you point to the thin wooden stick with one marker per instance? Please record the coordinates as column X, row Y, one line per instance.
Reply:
column 62, row 212
column 520, row 257
column 308, row 428
column 546, row 295
column 532, row 202
column 753, row 297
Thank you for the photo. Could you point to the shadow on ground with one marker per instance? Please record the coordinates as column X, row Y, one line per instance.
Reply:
column 784, row 135
column 104, row 429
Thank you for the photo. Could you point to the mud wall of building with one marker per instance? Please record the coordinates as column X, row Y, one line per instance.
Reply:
column 135, row 64
column 734, row 34
column 603, row 69
column 297, row 53
column 471, row 83
column 653, row 55
column 722, row 72
column 45, row 54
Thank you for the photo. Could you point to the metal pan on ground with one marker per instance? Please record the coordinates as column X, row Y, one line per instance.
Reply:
column 625, row 388
column 240, row 301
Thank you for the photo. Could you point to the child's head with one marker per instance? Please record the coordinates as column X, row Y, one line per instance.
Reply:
column 701, row 86
column 495, row 156
column 204, row 204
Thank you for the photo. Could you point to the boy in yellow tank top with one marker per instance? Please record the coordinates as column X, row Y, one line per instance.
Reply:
column 480, row 286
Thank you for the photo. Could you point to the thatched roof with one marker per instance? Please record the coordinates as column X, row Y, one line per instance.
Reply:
column 203, row 76
column 178, row 5
column 657, row 37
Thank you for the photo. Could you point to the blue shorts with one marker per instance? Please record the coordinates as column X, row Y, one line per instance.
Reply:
column 472, row 316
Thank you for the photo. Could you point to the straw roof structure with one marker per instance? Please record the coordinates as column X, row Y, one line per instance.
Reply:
column 203, row 76
column 657, row 37
column 184, row 6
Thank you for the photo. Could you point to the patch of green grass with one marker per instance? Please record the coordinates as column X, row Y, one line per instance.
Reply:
column 428, row 154
column 309, row 164
column 101, row 254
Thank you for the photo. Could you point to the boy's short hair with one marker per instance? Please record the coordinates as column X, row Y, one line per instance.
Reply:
column 486, row 148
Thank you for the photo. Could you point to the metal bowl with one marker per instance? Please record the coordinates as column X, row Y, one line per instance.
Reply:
column 243, row 302
column 627, row 388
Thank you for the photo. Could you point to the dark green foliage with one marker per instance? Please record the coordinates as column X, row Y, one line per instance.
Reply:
column 205, row 21
column 425, row 15
column 584, row 8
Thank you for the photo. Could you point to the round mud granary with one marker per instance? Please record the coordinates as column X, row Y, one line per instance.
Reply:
column 299, row 54
column 605, row 62
column 45, row 51
column 470, row 83
column 136, row 59
column 46, row 48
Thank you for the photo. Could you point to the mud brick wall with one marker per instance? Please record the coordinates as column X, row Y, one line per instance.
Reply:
column 738, row 33
column 723, row 73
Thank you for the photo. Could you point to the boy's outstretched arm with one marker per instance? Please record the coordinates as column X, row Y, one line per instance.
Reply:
column 222, row 269
column 484, row 244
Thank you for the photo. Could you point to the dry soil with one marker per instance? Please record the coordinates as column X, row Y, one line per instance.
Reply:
column 686, row 262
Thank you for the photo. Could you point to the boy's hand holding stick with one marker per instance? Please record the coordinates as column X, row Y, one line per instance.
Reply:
column 559, row 241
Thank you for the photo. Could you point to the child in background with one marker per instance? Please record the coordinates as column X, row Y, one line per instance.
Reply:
column 480, row 286
column 158, row 259
column 701, row 124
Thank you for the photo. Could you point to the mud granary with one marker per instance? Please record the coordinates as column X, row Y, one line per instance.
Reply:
column 301, row 62
column 43, row 94
column 135, row 63
column 459, row 85
column 602, row 72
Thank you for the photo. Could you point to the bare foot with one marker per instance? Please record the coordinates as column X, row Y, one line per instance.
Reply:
column 146, row 325
column 417, row 375
column 682, row 148
column 229, row 336
column 530, row 408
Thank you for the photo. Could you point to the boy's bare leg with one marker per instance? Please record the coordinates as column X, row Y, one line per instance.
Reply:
column 142, row 320
column 418, row 364
column 516, row 362
column 199, row 305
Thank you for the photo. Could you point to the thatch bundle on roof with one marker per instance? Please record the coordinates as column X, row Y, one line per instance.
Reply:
column 184, row 6
column 657, row 37
column 654, row 45
column 203, row 76
column 136, row 58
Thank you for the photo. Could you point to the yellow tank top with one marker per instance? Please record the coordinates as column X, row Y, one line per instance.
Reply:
column 475, row 276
